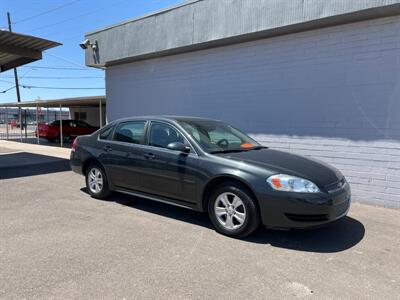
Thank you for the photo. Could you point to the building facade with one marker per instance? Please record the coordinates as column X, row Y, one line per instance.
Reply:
column 319, row 78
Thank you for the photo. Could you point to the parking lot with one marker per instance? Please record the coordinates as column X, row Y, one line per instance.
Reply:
column 58, row 242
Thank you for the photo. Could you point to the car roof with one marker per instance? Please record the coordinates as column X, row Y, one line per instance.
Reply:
column 166, row 118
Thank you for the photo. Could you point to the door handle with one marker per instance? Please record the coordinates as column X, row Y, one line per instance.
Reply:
column 149, row 156
column 107, row 148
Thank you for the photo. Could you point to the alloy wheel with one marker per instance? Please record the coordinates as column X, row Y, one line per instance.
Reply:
column 95, row 180
column 230, row 211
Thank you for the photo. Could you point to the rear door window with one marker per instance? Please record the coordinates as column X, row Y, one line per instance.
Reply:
column 106, row 133
column 130, row 132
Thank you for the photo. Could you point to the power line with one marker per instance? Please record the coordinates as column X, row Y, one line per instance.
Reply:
column 65, row 59
column 52, row 88
column 75, row 17
column 14, row 86
column 46, row 12
column 58, row 77
column 27, row 86
column 7, row 80
column 5, row 91
column 60, row 88
column 59, row 68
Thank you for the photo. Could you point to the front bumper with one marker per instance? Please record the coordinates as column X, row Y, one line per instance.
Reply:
column 293, row 210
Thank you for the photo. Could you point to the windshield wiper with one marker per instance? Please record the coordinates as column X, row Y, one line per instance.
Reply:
column 258, row 148
column 228, row 151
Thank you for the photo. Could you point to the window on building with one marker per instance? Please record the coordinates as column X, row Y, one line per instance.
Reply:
column 80, row 115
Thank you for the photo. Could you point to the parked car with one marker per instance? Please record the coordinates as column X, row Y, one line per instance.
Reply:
column 13, row 123
column 209, row 166
column 70, row 130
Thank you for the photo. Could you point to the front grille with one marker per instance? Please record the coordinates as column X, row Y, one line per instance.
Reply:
column 307, row 218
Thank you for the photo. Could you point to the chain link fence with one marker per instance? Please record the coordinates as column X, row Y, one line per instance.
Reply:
column 12, row 126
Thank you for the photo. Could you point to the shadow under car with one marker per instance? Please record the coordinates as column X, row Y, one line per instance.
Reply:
column 337, row 236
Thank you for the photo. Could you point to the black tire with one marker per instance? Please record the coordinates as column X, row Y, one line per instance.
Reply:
column 102, row 192
column 66, row 138
column 249, row 205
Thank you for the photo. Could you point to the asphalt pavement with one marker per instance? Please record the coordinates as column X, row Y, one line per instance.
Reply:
column 56, row 242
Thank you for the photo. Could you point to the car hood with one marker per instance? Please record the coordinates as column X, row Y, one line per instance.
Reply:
column 287, row 163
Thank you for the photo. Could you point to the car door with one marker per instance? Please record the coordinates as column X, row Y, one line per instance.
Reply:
column 166, row 172
column 82, row 128
column 123, row 155
column 71, row 128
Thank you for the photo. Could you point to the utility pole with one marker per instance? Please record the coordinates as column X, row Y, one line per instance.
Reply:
column 16, row 82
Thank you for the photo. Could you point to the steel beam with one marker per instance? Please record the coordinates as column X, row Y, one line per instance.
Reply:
column 20, row 51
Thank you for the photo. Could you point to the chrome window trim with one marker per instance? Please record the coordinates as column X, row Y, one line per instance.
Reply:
column 146, row 146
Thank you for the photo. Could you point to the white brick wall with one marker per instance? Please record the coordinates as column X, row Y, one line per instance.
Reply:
column 372, row 168
column 332, row 93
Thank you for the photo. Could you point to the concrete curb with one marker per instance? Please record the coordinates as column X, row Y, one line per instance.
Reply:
column 37, row 149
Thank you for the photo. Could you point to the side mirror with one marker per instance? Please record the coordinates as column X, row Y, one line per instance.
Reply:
column 178, row 146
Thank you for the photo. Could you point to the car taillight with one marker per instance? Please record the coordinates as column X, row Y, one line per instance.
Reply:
column 74, row 144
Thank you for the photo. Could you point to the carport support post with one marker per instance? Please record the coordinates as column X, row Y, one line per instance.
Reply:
column 61, row 133
column 26, row 125
column 37, row 124
column 101, row 114
column 20, row 121
column 7, row 123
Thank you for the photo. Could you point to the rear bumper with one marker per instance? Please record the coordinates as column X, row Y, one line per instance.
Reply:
column 293, row 210
column 75, row 163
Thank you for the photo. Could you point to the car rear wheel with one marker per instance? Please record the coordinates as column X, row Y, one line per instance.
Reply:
column 233, row 211
column 66, row 138
column 96, row 182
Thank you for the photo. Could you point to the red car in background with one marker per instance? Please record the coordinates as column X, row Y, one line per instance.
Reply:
column 70, row 130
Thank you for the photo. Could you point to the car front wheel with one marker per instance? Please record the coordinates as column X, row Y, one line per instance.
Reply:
column 96, row 182
column 233, row 210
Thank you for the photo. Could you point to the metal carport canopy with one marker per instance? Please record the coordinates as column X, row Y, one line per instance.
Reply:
column 92, row 101
column 19, row 49
column 64, row 102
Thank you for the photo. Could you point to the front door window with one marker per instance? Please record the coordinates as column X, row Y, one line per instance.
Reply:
column 162, row 134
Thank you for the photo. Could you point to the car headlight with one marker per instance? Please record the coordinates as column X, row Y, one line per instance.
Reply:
column 288, row 183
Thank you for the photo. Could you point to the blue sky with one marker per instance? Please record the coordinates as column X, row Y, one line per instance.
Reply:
column 64, row 21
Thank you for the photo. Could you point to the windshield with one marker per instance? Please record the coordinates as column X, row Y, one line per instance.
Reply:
column 215, row 136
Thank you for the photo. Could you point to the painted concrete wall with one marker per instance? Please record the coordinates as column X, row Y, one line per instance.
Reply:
column 332, row 93
column 205, row 23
